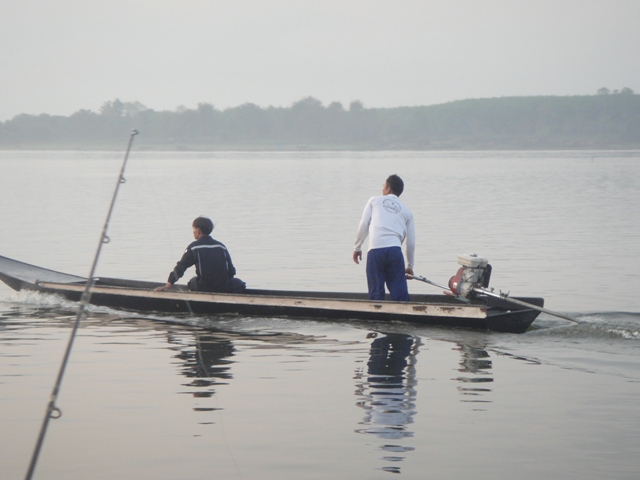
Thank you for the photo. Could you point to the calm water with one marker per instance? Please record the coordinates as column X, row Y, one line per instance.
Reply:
column 155, row 397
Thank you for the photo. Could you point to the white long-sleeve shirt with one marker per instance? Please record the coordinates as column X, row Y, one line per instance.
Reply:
column 387, row 222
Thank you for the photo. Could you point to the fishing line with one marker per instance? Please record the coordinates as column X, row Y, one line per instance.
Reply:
column 159, row 210
column 52, row 410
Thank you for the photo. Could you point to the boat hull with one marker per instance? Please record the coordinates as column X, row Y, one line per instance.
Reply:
column 484, row 314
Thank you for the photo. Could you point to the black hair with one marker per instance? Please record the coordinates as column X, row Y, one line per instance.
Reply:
column 204, row 224
column 395, row 184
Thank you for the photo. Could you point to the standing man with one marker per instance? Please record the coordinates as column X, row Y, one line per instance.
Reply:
column 214, row 269
column 387, row 222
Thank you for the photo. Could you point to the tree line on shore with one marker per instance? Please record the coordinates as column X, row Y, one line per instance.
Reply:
column 606, row 120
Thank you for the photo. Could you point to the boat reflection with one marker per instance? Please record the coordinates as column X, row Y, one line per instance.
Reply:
column 475, row 368
column 205, row 360
column 386, row 389
column 205, row 354
column 387, row 393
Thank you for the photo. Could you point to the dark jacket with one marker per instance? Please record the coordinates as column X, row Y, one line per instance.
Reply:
column 213, row 265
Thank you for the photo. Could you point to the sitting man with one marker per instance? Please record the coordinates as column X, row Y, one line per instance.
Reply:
column 214, row 270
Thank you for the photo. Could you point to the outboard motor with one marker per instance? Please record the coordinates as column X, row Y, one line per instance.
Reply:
column 474, row 273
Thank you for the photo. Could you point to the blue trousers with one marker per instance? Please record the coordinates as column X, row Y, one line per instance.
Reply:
column 386, row 266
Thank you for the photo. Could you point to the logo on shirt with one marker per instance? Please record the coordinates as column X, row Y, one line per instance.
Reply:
column 391, row 206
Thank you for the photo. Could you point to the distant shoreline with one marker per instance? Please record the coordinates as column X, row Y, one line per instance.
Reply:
column 595, row 122
column 231, row 148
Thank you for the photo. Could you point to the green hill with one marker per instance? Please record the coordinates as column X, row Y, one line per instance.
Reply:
column 602, row 121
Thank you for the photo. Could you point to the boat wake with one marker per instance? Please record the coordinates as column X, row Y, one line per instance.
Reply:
column 26, row 303
column 596, row 326
column 600, row 325
column 30, row 302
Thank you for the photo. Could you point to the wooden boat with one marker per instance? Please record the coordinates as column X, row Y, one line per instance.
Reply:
column 484, row 313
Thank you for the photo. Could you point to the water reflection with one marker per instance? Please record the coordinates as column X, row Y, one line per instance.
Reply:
column 206, row 362
column 475, row 365
column 387, row 393
column 386, row 390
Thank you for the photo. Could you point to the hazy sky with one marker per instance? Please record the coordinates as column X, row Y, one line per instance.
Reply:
column 60, row 56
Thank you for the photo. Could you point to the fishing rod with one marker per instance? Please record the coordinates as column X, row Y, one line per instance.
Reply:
column 52, row 410
column 491, row 293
